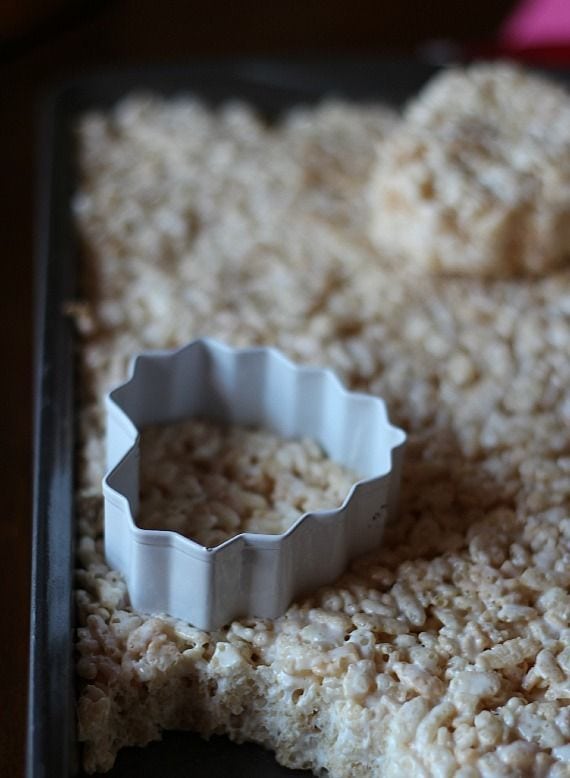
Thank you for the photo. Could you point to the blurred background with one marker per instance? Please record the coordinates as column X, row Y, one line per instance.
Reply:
column 43, row 41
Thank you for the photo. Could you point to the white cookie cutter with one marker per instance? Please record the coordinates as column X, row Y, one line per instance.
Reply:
column 249, row 574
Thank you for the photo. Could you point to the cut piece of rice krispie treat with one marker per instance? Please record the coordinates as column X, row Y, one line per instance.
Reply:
column 476, row 179
column 445, row 653
column 210, row 482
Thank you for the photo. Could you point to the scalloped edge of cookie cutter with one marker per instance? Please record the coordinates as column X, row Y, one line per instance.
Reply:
column 250, row 574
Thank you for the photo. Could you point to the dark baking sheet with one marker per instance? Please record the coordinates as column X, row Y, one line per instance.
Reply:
column 272, row 86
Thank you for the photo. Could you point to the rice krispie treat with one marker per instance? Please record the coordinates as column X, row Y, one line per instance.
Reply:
column 444, row 653
column 476, row 179
column 210, row 482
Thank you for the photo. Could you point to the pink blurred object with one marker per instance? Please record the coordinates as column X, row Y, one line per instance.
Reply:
column 537, row 24
column 537, row 31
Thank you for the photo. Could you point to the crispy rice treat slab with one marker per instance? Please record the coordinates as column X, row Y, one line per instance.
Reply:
column 477, row 178
column 447, row 651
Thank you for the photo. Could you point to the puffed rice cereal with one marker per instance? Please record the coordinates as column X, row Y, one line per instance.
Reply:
column 446, row 651
column 477, row 178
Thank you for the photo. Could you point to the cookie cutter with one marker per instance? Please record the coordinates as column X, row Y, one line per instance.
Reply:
column 250, row 574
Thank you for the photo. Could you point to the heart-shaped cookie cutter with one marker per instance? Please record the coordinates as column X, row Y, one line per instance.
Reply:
column 256, row 575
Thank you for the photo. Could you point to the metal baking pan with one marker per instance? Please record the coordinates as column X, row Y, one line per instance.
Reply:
column 273, row 87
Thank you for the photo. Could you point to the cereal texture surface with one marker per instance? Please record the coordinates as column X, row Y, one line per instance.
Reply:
column 210, row 482
column 447, row 651
column 477, row 178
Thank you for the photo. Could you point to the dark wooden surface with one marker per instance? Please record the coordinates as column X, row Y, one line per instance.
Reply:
column 43, row 41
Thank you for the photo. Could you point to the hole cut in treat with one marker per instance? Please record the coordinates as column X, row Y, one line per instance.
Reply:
column 209, row 481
